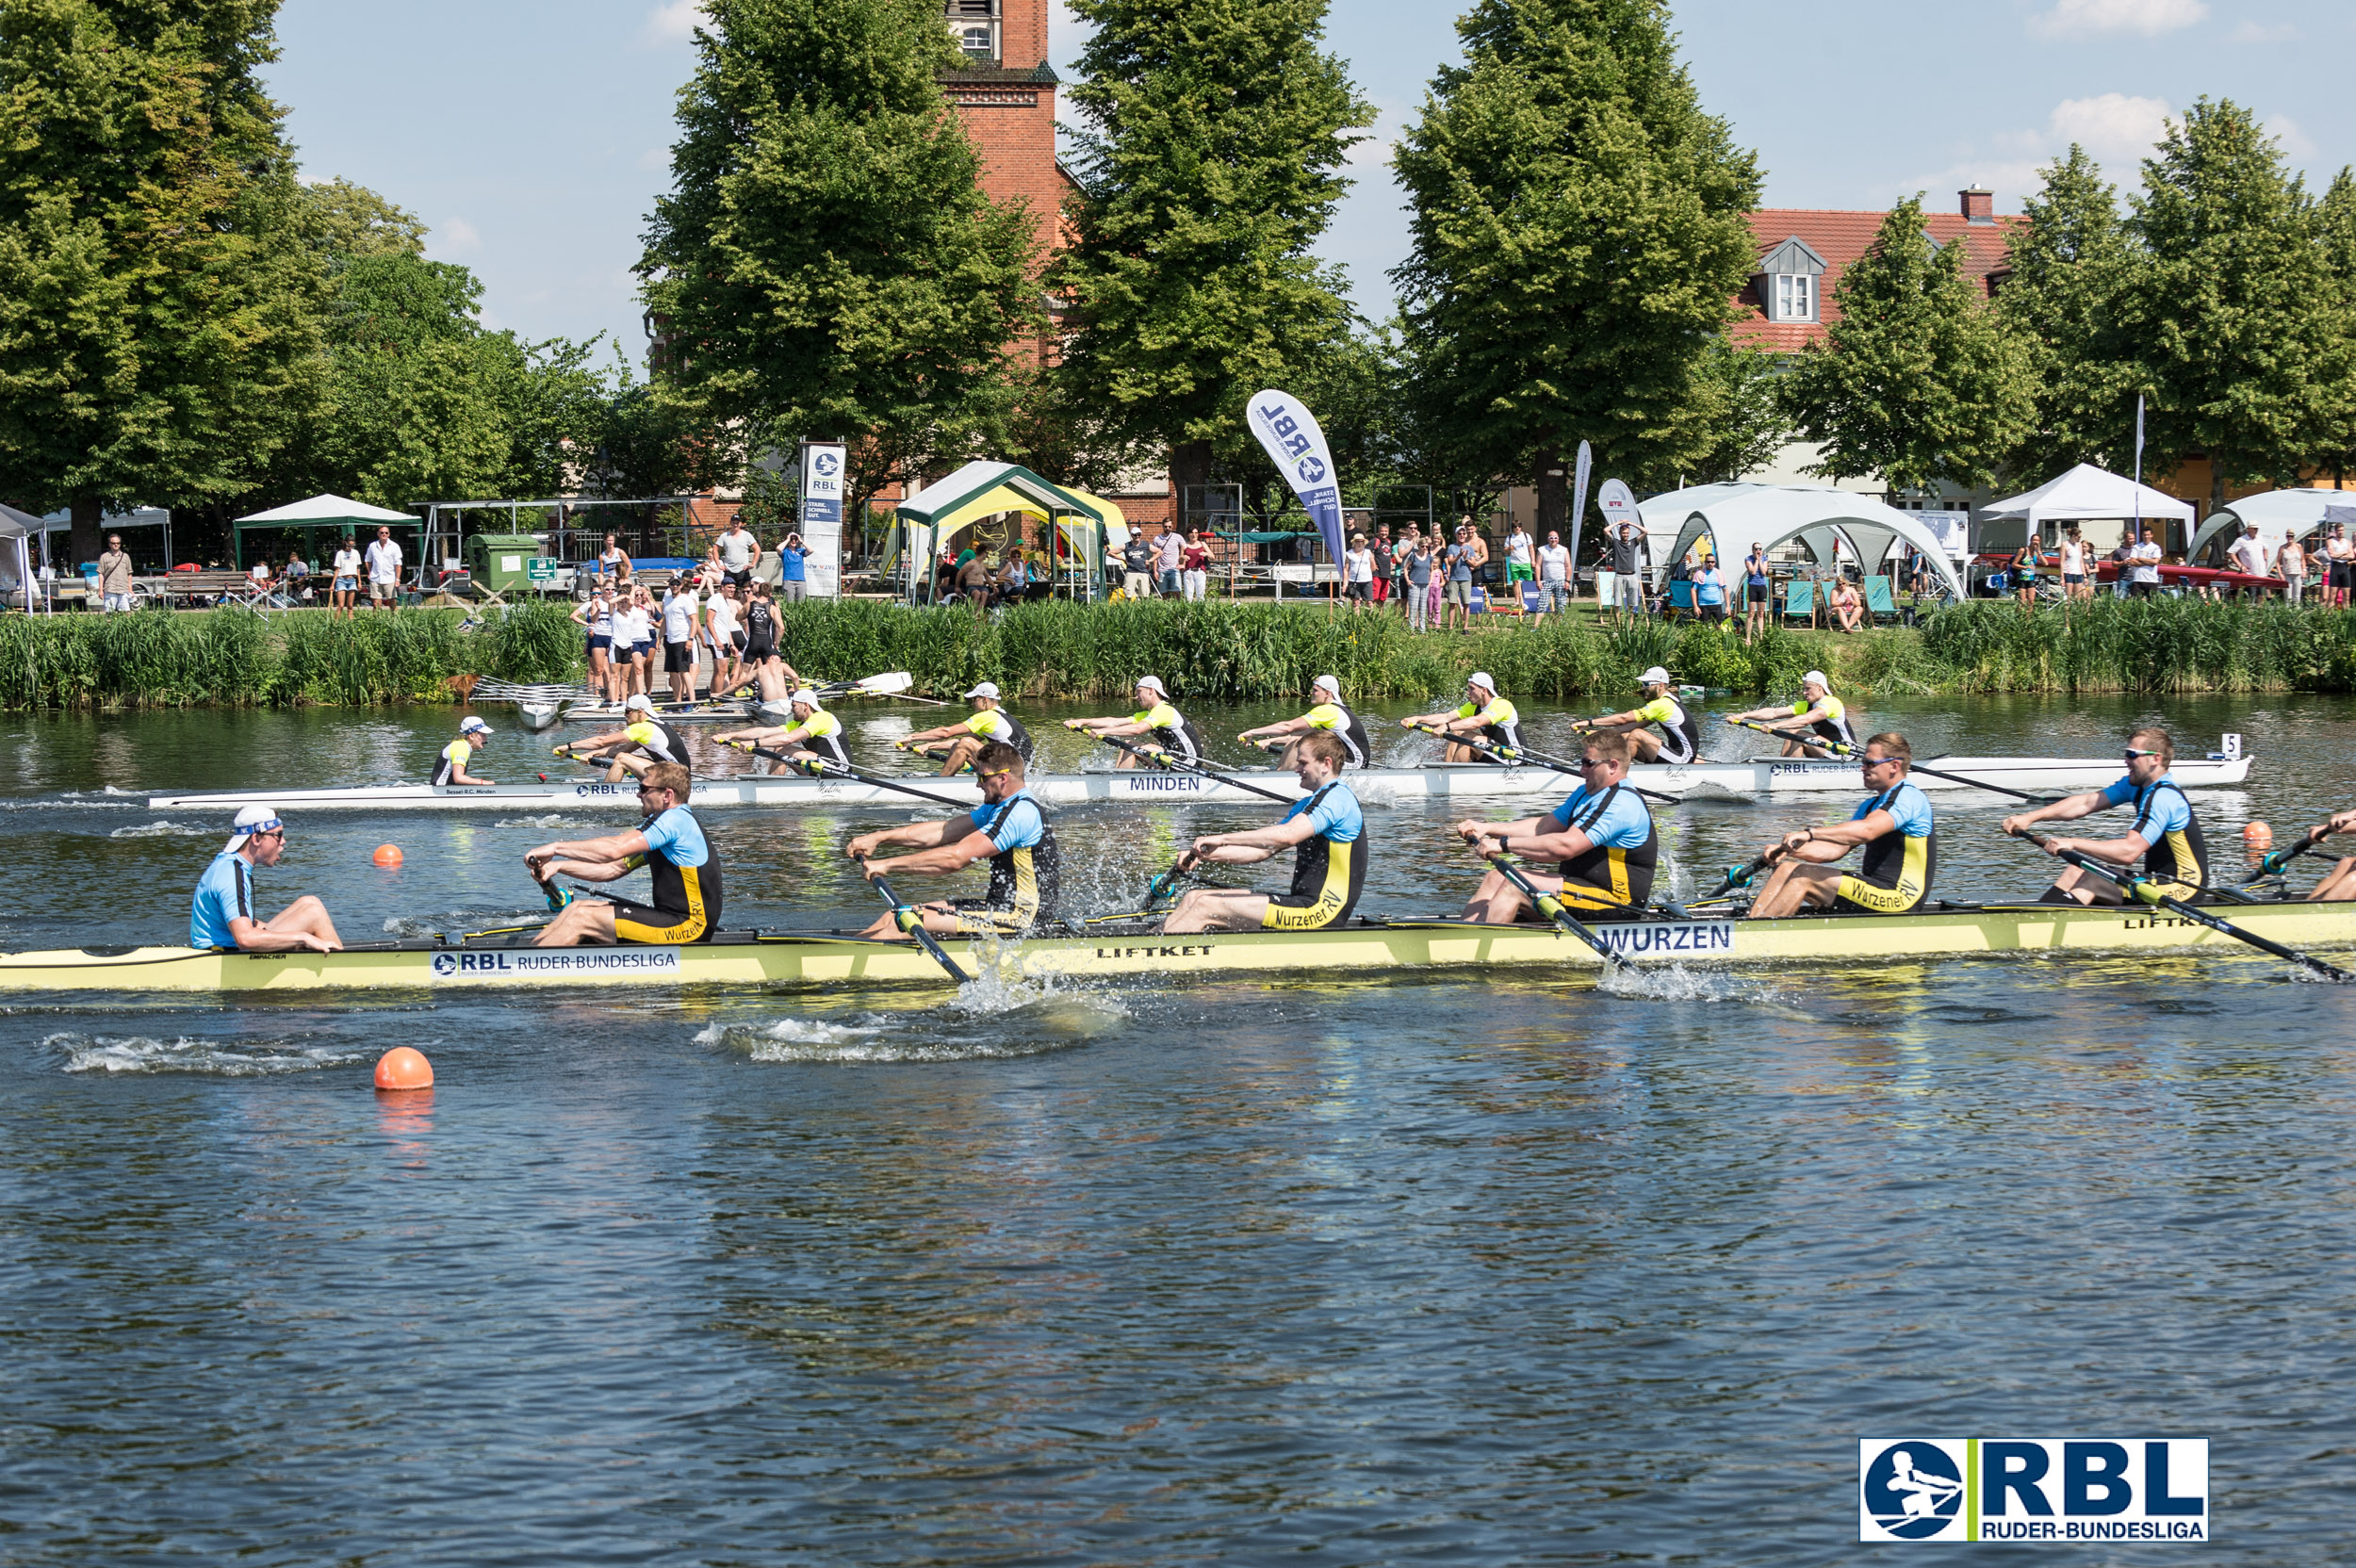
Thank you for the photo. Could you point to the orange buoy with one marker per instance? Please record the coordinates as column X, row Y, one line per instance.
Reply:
column 2256, row 835
column 388, row 854
column 404, row 1069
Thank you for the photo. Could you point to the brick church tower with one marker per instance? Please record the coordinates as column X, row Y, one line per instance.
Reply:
column 1006, row 94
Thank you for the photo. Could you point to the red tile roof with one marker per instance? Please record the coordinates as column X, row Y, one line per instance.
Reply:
column 1841, row 238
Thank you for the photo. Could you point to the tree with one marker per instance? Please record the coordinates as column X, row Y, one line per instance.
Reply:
column 2336, row 220
column 2237, row 316
column 1579, row 237
column 2067, row 262
column 1210, row 162
column 1743, row 413
column 825, row 264
column 1915, row 382
column 345, row 220
column 158, row 302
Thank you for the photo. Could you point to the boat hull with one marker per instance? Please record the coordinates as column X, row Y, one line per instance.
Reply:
column 1735, row 781
column 1372, row 949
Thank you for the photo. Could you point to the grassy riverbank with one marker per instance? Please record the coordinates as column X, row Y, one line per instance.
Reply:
column 1210, row 649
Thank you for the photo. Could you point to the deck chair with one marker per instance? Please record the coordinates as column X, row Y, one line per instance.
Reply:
column 1879, row 605
column 1680, row 597
column 1799, row 598
column 1506, row 601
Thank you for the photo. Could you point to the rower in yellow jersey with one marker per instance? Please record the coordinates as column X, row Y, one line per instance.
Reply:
column 957, row 744
column 1818, row 716
column 1156, row 723
column 451, row 768
column 1329, row 715
column 1679, row 739
column 640, row 743
column 814, row 732
column 1484, row 715
column 1327, row 831
column 1901, row 848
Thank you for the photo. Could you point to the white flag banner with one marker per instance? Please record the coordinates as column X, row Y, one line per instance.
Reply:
column 1294, row 440
column 821, row 516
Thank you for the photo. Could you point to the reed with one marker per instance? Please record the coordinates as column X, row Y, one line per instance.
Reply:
column 2159, row 646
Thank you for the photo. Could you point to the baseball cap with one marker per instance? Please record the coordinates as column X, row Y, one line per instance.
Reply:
column 805, row 695
column 1331, row 683
column 638, row 699
column 1816, row 678
column 1654, row 677
column 251, row 819
column 1484, row 679
column 472, row 724
column 1154, row 683
column 987, row 689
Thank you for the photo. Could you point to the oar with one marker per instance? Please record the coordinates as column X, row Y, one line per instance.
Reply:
column 1552, row 764
column 1737, row 877
column 1162, row 758
column 896, row 684
column 1841, row 748
column 2146, row 891
column 2276, row 861
column 818, row 767
column 907, row 918
column 1552, row 907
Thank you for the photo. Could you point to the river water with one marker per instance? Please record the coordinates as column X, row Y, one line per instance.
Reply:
column 1373, row 1269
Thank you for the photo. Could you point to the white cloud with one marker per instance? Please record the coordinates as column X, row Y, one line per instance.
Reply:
column 455, row 237
column 2264, row 32
column 656, row 159
column 1390, row 124
column 2086, row 18
column 2297, row 145
column 2111, row 126
column 673, row 21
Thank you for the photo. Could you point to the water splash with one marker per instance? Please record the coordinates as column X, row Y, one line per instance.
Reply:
column 460, row 920
column 1677, row 983
column 547, row 819
column 163, row 830
column 139, row 1054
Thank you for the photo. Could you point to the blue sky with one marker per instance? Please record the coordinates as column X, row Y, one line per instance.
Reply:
column 531, row 134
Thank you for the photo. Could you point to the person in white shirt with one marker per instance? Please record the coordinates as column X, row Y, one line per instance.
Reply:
column 2290, row 564
column 1169, row 550
column 1554, row 577
column 1358, row 574
column 679, row 616
column 2074, row 568
column 634, row 641
column 343, row 587
column 384, row 569
column 1520, row 557
column 2143, row 567
column 726, row 636
column 2249, row 556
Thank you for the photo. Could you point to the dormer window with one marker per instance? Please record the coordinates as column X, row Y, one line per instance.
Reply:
column 975, row 24
column 1789, row 282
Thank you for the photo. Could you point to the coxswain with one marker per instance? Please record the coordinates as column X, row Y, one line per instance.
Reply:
column 1325, row 830
column 2164, row 832
column 640, row 743
column 1008, row 829
column 1155, row 719
column 472, row 732
column 1901, row 848
column 1679, row 737
column 1483, row 716
column 685, row 905
column 1818, row 716
column 1602, row 835
column 2340, row 881
column 814, row 733
column 1328, row 715
column 957, row 744
column 222, row 913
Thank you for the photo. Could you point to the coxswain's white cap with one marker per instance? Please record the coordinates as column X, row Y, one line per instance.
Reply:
column 1816, row 678
column 1153, row 683
column 1482, row 680
column 805, row 695
column 473, row 724
column 987, row 689
column 1654, row 677
column 251, row 819
column 639, row 699
column 1327, row 683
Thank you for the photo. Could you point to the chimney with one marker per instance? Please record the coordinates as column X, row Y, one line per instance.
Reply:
column 1979, row 205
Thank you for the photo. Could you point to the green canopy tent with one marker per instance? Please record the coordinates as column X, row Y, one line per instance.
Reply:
column 984, row 489
column 335, row 513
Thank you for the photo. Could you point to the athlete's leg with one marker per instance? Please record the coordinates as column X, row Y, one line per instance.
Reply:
column 2339, row 883
column 1499, row 902
column 1217, row 909
column 1795, row 885
column 306, row 916
column 582, row 920
column 1647, row 744
column 961, row 751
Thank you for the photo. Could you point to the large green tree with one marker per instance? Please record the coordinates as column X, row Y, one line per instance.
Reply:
column 1579, row 237
column 1209, row 163
column 825, row 263
column 158, row 299
column 2068, row 261
column 1915, row 382
column 2237, row 315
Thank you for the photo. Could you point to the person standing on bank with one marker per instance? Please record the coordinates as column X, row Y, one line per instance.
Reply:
column 1554, row 577
column 1758, row 591
column 739, row 553
column 343, row 587
column 792, row 569
column 384, row 569
column 114, row 576
column 1628, row 571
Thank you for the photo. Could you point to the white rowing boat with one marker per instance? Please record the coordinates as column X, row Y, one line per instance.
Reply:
column 1733, row 781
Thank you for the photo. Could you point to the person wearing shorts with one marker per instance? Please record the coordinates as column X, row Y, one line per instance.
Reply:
column 2073, row 566
column 343, row 587
column 1008, row 829
column 384, row 569
column 1459, row 580
column 739, row 552
column 792, row 569
column 1358, row 573
column 594, row 615
column 1900, row 842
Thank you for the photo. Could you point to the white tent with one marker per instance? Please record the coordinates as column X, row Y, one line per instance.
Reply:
column 2274, row 515
column 16, row 556
column 2088, row 493
column 1735, row 516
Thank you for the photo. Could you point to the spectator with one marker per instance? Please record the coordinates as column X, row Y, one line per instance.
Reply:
column 2248, row 557
column 2024, row 565
column 1416, row 567
column 1459, row 564
column 792, row 569
column 1759, row 590
column 114, row 576
column 1401, row 548
column 739, row 552
column 1194, row 565
column 1710, row 590
column 343, row 587
column 1847, row 608
column 298, row 579
column 1628, row 571
column 1169, row 552
column 972, row 581
column 2291, row 562
column 1136, row 566
column 2145, row 559
column 613, row 564
column 1358, row 574
column 1554, row 577
column 2339, row 557
column 383, row 559
column 1520, row 558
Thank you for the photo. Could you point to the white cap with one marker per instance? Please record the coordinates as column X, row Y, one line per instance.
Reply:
column 472, row 723
column 1654, row 677
column 639, row 699
column 1153, row 683
column 1330, row 682
column 251, row 820
column 1816, row 678
column 1484, row 679
column 805, row 695
column 987, row 689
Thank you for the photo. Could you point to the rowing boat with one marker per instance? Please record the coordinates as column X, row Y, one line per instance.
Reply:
column 1442, row 781
column 1367, row 947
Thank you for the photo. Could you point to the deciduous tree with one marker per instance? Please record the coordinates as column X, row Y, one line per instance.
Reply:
column 2067, row 262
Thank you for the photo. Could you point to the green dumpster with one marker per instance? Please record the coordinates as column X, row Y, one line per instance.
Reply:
column 502, row 561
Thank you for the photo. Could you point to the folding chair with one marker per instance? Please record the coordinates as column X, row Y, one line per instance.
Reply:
column 1878, row 602
column 1680, row 597
column 1799, row 598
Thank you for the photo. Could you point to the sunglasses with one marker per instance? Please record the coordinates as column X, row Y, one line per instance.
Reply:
column 1877, row 762
column 2133, row 754
column 999, row 772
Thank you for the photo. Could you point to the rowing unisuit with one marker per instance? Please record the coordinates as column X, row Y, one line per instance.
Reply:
column 1676, row 736
column 1485, row 719
column 1156, row 723
column 1008, row 829
column 1896, row 829
column 2166, row 833
column 685, row 905
column 957, row 744
column 1602, row 837
column 451, row 768
column 1328, row 715
column 1327, row 832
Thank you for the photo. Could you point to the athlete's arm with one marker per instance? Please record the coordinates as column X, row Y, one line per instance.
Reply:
column 1824, row 845
column 940, row 859
column 1470, row 829
column 916, row 834
column 1285, row 727
column 1245, row 849
column 2119, row 852
column 460, row 775
column 2068, row 809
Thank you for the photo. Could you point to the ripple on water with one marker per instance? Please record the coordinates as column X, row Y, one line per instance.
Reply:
column 993, row 1017
column 139, row 1054
column 546, row 819
column 163, row 830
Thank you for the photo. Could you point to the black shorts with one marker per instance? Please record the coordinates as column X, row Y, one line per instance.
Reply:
column 678, row 658
column 982, row 917
column 736, row 641
column 1359, row 591
column 760, row 653
column 743, row 579
column 644, row 923
column 2341, row 573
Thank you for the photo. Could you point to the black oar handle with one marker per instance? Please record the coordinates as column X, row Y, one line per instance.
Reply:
column 818, row 767
column 911, row 920
column 1552, row 764
column 1554, row 909
column 1160, row 758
